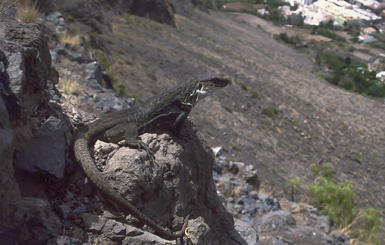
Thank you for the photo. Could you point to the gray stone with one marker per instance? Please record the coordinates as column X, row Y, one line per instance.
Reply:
column 66, row 210
column 9, row 189
column 25, row 51
column 56, row 18
column 119, row 229
column 108, row 226
column 46, row 152
column 93, row 222
column 132, row 231
column 94, row 78
column 144, row 239
column 339, row 238
column 36, row 221
column 246, row 233
column 276, row 241
column 200, row 232
column 64, row 240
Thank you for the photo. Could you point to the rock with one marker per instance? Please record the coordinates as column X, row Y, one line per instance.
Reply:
column 339, row 238
column 93, row 222
column 170, row 189
column 276, row 241
column 94, row 77
column 9, row 189
column 66, row 210
column 37, row 223
column 24, row 48
column 252, row 179
column 132, row 231
column 56, row 18
column 144, row 239
column 219, row 166
column 200, row 232
column 162, row 11
column 247, row 233
column 64, row 240
column 47, row 151
column 186, row 8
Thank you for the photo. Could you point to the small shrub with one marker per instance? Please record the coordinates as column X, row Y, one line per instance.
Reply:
column 110, row 41
column 326, row 171
column 270, row 111
column 120, row 88
column 369, row 225
column 68, row 86
column 314, row 169
column 255, row 93
column 157, row 27
column 293, row 184
column 102, row 59
column 336, row 201
column 27, row 11
column 70, row 18
column 243, row 85
column 110, row 73
column 66, row 38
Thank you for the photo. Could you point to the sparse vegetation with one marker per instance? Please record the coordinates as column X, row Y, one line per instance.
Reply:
column 102, row 59
column 293, row 184
column 70, row 18
column 120, row 88
column 270, row 111
column 243, row 85
column 255, row 93
column 293, row 40
column 228, row 108
column 67, row 86
column 337, row 201
column 27, row 11
column 66, row 38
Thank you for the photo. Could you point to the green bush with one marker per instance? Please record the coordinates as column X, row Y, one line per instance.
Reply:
column 102, row 59
column 369, row 225
column 293, row 184
column 336, row 201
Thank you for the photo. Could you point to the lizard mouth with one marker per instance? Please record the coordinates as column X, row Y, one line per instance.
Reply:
column 207, row 84
column 206, row 88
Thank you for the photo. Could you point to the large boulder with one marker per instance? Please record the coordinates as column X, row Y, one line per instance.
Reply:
column 178, row 183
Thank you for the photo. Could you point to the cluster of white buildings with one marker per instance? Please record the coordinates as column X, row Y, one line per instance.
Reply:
column 356, row 13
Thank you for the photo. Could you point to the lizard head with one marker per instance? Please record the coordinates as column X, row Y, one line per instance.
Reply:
column 204, row 85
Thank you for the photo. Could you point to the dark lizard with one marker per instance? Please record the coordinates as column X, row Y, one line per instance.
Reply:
column 171, row 107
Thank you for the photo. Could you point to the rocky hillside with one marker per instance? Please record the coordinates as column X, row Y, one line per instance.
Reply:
column 274, row 121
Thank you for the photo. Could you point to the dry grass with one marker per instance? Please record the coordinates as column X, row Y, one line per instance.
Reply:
column 27, row 11
column 66, row 38
column 68, row 86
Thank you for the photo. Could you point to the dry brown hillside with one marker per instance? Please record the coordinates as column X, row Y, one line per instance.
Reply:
column 315, row 122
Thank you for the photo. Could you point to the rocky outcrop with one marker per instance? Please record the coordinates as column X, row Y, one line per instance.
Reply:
column 180, row 182
column 25, row 72
column 160, row 11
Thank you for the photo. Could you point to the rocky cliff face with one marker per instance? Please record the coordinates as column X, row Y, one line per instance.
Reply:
column 25, row 64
